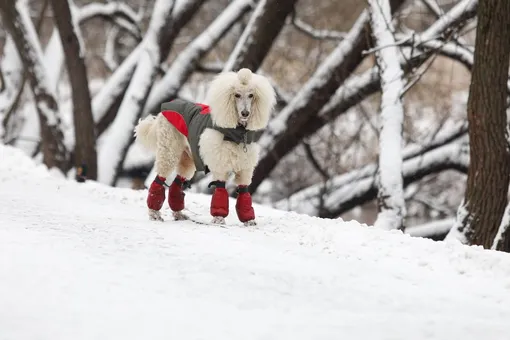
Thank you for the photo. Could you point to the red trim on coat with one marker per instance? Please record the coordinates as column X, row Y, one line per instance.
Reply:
column 176, row 120
column 205, row 108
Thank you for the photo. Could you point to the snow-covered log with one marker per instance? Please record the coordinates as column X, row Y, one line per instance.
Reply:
column 188, row 60
column 442, row 138
column 349, row 190
column 264, row 25
column 283, row 137
column 390, row 193
column 105, row 104
column 115, row 143
column 16, row 18
column 436, row 230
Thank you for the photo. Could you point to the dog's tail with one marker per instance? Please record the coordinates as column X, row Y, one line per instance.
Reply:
column 145, row 132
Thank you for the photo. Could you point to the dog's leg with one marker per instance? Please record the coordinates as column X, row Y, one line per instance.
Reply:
column 166, row 161
column 244, row 204
column 185, row 170
column 219, row 200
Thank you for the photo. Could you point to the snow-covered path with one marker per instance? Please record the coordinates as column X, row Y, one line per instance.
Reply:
column 81, row 261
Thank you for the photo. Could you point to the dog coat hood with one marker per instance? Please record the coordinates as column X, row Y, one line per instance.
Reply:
column 191, row 119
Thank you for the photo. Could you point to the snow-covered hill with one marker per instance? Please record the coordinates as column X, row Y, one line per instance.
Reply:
column 81, row 261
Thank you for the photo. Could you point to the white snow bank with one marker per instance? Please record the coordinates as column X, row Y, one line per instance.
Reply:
column 82, row 261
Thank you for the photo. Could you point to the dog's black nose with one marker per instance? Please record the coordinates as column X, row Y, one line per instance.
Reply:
column 245, row 113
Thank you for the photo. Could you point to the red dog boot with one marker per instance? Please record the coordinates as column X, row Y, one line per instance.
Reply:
column 244, row 206
column 219, row 201
column 156, row 195
column 176, row 193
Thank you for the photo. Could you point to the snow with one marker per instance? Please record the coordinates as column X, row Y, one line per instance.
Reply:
column 389, row 172
column 462, row 224
column 184, row 65
column 82, row 261
column 54, row 60
column 12, row 72
column 503, row 227
column 431, row 228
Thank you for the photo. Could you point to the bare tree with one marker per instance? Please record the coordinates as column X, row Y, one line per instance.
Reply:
column 480, row 213
column 17, row 20
column 390, row 193
column 84, row 128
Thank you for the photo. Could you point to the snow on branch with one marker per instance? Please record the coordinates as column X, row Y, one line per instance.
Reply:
column 324, row 78
column 118, row 12
column 436, row 230
column 115, row 143
column 503, row 230
column 390, row 193
column 314, row 33
column 358, row 186
column 188, row 60
column 111, row 93
column 282, row 137
column 11, row 67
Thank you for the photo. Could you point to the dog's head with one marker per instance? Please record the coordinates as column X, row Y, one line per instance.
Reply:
column 241, row 98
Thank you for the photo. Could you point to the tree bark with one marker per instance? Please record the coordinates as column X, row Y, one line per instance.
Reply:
column 18, row 22
column 84, row 127
column 264, row 26
column 480, row 215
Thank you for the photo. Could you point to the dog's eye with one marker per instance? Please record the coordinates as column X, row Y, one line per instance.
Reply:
column 250, row 95
column 238, row 95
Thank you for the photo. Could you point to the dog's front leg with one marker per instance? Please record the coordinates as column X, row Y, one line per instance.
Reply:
column 155, row 198
column 219, row 200
column 244, row 204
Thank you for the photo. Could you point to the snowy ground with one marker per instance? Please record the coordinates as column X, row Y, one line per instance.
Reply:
column 81, row 261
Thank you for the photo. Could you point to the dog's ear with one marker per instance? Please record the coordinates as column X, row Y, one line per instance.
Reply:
column 264, row 101
column 221, row 100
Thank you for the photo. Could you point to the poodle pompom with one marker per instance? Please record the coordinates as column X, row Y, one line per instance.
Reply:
column 244, row 76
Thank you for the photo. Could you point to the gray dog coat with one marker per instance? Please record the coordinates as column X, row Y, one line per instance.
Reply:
column 191, row 119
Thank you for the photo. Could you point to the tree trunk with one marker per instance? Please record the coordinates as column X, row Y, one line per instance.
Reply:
column 390, row 193
column 264, row 26
column 84, row 130
column 17, row 21
column 480, row 215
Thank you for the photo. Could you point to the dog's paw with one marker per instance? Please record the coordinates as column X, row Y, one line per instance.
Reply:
column 218, row 220
column 179, row 216
column 250, row 223
column 155, row 215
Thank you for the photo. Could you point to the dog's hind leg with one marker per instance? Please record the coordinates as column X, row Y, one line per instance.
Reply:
column 244, row 204
column 219, row 200
column 167, row 157
column 185, row 170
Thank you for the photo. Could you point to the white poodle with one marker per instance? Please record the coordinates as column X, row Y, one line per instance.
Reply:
column 219, row 137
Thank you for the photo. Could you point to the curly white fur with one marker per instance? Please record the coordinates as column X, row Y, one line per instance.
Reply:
column 222, row 157
column 221, row 100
